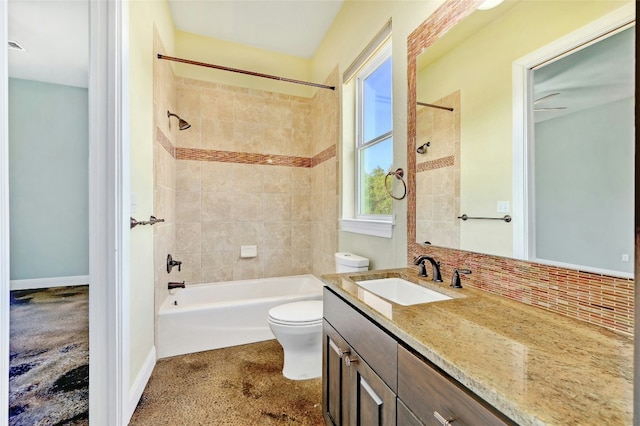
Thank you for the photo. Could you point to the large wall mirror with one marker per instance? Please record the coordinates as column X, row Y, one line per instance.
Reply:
column 524, row 126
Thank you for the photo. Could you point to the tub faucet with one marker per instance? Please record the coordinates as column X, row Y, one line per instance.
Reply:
column 435, row 267
column 173, row 285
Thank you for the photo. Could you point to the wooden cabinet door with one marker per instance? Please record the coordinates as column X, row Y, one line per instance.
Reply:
column 335, row 378
column 372, row 402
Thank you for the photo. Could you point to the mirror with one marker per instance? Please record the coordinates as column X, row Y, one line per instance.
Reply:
column 557, row 187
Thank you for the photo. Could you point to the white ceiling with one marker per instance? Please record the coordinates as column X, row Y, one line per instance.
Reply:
column 56, row 32
column 293, row 27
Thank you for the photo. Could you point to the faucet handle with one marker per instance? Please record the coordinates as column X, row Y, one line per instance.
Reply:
column 171, row 263
column 455, row 280
column 422, row 270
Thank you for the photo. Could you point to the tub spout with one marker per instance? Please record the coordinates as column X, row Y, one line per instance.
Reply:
column 173, row 285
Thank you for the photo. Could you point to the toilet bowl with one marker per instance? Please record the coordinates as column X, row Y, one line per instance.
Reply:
column 298, row 328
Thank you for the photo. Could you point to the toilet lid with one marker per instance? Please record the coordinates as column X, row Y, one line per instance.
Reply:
column 298, row 313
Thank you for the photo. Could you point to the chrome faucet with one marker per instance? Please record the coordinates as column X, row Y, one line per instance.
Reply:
column 435, row 267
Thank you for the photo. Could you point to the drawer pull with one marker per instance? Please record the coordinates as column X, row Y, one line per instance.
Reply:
column 439, row 417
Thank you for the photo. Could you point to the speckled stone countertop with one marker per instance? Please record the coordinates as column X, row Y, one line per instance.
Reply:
column 534, row 366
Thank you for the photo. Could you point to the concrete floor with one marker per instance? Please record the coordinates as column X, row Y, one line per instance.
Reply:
column 241, row 385
column 49, row 356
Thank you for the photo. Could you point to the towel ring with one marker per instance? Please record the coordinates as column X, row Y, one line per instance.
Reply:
column 399, row 174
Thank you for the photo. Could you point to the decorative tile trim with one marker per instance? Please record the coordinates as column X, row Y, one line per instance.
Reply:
column 251, row 158
column 597, row 299
column 241, row 157
column 325, row 155
column 435, row 164
column 164, row 141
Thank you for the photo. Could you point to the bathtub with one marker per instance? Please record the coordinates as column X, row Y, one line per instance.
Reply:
column 211, row 316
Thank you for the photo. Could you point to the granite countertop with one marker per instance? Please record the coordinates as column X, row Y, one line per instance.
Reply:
column 534, row 366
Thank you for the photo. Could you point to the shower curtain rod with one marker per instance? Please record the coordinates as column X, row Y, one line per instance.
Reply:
column 434, row 106
column 255, row 74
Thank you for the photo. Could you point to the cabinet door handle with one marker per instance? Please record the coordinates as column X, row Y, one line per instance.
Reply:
column 343, row 352
column 348, row 360
column 439, row 417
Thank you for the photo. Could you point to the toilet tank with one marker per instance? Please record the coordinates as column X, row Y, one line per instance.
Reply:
column 349, row 262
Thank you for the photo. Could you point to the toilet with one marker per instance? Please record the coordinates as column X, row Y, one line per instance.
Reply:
column 349, row 262
column 298, row 327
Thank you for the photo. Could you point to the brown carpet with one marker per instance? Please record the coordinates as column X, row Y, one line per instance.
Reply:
column 241, row 385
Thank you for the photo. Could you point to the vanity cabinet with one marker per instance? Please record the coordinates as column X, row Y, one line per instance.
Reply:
column 370, row 379
column 353, row 393
column 359, row 368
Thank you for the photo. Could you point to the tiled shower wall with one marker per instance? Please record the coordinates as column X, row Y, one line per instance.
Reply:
column 325, row 109
column 438, row 173
column 164, row 173
column 256, row 168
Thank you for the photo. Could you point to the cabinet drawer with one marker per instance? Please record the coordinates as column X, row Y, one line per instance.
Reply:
column 372, row 343
column 405, row 416
column 426, row 391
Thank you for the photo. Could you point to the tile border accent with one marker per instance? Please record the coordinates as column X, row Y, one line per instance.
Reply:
column 241, row 157
column 435, row 164
column 164, row 141
column 323, row 156
column 197, row 154
column 602, row 300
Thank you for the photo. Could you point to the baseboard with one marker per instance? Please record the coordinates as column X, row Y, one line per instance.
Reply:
column 48, row 282
column 135, row 392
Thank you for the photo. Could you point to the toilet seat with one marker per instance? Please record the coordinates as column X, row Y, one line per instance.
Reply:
column 297, row 314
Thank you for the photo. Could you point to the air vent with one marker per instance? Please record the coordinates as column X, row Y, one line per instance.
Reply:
column 15, row 46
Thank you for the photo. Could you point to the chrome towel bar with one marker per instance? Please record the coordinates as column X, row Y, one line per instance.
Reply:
column 506, row 218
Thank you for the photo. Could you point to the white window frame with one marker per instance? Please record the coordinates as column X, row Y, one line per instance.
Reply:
column 382, row 55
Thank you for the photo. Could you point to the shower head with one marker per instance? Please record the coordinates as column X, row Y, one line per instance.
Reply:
column 182, row 124
column 422, row 149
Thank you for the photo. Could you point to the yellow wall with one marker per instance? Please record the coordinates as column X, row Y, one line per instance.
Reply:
column 220, row 52
column 356, row 25
column 143, row 15
column 481, row 69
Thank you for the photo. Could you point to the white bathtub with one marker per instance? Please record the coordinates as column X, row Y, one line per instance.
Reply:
column 210, row 316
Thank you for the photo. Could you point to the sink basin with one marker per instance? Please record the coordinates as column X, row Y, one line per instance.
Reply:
column 401, row 291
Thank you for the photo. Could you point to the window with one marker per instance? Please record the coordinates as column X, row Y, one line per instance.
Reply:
column 374, row 137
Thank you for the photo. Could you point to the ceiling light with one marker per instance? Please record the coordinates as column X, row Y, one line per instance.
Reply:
column 489, row 4
column 15, row 46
